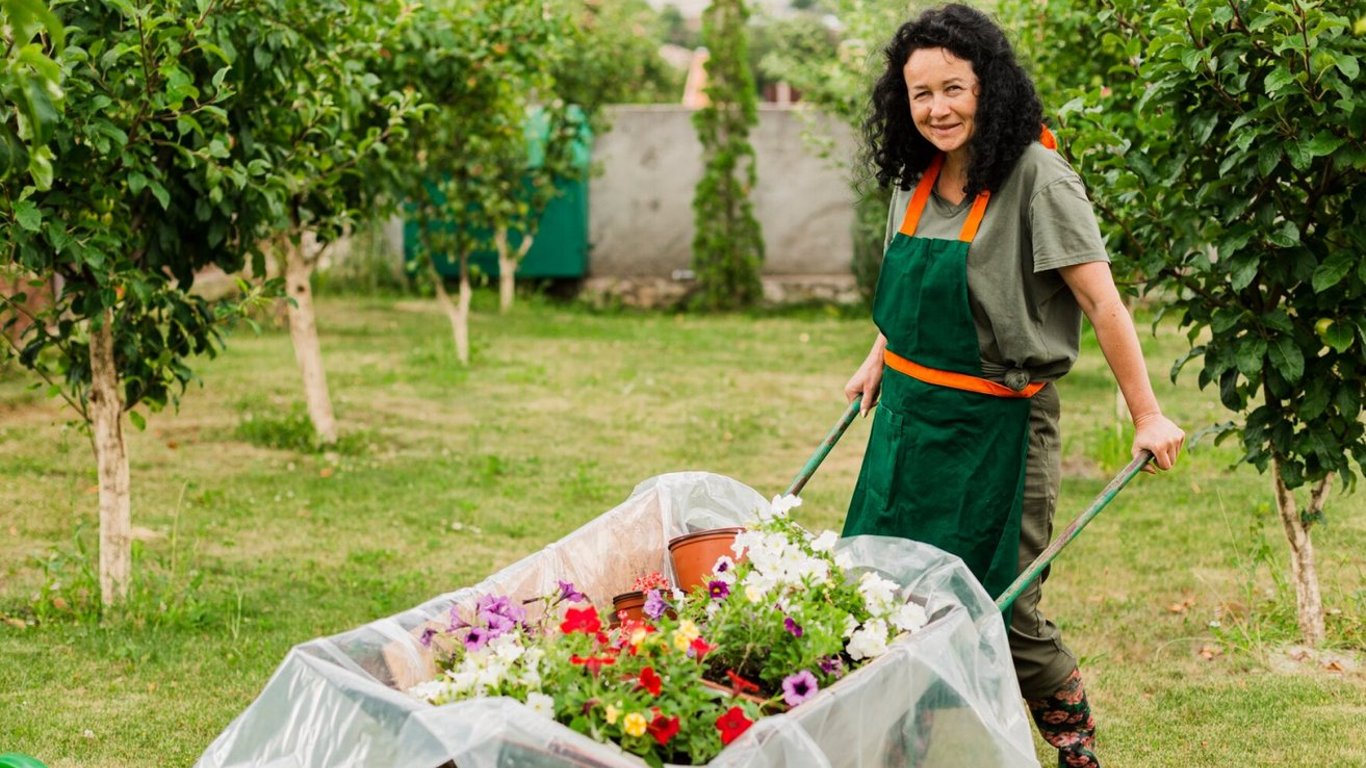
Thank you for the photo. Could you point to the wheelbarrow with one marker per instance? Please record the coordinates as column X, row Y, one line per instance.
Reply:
column 1027, row 576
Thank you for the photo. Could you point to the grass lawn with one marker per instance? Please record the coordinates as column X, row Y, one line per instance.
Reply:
column 1176, row 596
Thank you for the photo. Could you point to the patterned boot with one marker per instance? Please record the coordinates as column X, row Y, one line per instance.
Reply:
column 1065, row 721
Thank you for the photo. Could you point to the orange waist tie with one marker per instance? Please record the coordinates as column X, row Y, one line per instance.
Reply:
column 953, row 380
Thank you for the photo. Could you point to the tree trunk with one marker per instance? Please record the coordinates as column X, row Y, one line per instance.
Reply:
column 507, row 267
column 459, row 316
column 303, row 331
column 111, row 461
column 1308, row 602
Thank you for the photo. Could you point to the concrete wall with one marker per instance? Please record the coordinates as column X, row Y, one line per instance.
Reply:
column 641, row 219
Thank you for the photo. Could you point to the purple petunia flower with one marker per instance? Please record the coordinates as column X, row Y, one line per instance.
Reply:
column 569, row 594
column 655, row 604
column 799, row 687
column 427, row 635
column 719, row 590
column 793, row 627
column 477, row 638
column 498, row 613
column 833, row 665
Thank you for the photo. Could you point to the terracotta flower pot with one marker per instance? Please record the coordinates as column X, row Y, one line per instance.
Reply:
column 694, row 555
column 628, row 606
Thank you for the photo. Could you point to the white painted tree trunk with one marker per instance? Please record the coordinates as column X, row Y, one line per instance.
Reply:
column 300, row 260
column 507, row 267
column 458, row 315
column 1308, row 601
column 111, row 461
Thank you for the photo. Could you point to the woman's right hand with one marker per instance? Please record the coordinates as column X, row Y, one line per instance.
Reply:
column 867, row 380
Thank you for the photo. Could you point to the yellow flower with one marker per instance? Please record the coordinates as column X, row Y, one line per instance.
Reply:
column 686, row 633
column 612, row 714
column 638, row 636
column 634, row 724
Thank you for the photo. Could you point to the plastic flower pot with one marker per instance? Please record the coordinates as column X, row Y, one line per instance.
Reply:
column 628, row 606
column 694, row 555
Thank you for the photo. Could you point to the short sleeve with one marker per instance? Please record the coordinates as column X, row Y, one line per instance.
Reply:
column 1063, row 226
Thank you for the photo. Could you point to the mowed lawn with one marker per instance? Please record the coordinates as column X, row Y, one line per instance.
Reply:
column 1177, row 596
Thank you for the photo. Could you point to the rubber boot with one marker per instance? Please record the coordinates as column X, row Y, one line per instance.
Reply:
column 1065, row 722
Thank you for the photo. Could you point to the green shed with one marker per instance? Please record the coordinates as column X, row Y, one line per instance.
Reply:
column 561, row 246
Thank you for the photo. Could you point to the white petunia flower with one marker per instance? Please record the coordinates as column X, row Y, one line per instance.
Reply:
column 844, row 560
column 429, row 690
column 909, row 617
column 541, row 704
column 878, row 593
column 825, row 542
column 757, row 586
column 780, row 506
column 868, row 642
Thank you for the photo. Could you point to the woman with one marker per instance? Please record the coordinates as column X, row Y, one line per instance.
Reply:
column 979, row 311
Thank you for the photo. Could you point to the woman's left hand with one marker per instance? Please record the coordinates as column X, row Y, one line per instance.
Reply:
column 1160, row 436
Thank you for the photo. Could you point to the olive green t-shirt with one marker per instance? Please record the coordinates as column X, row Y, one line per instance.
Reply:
column 1039, row 220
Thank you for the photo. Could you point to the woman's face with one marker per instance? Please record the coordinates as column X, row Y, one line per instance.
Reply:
column 943, row 94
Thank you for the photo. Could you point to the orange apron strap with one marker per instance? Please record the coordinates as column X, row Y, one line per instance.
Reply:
column 922, row 195
column 960, row 381
column 979, row 209
column 1047, row 138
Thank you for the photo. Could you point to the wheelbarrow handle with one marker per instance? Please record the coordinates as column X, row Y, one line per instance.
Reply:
column 823, row 450
column 1017, row 588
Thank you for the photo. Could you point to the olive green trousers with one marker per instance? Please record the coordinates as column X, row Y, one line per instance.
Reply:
column 1042, row 661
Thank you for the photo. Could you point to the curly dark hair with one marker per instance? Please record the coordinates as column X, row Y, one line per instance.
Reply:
column 1008, row 110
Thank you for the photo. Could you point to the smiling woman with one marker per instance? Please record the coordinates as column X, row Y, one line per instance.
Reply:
column 978, row 309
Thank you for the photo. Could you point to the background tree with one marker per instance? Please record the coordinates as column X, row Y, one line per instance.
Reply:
column 131, row 201
column 309, row 107
column 835, row 72
column 1235, row 188
column 728, row 247
column 479, row 63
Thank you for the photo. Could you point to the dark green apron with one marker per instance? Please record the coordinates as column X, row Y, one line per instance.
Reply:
column 944, row 465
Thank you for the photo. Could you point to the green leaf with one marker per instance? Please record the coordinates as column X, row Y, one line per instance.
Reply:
column 1347, row 64
column 1286, row 236
column 160, row 193
column 1278, row 79
column 1278, row 320
column 1323, row 144
column 1331, row 272
column 1337, row 335
column 1287, row 358
column 27, row 215
column 1251, row 352
column 137, row 421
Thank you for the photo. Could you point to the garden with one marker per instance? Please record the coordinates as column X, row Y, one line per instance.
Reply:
column 179, row 512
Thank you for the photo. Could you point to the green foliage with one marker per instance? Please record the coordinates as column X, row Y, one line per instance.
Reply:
column 728, row 247
column 836, row 76
column 144, row 172
column 313, row 116
column 1228, row 155
column 478, row 63
column 31, row 94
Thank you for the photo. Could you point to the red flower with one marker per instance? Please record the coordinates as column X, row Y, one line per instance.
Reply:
column 740, row 684
column 593, row 663
column 701, row 648
column 651, row 681
column 583, row 620
column 732, row 724
column 663, row 728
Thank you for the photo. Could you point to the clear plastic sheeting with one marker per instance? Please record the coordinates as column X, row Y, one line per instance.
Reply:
column 943, row 696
